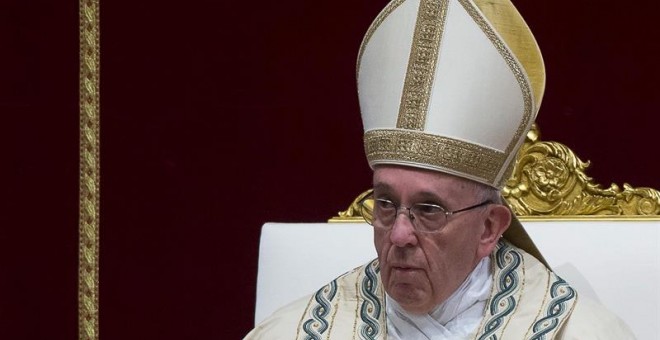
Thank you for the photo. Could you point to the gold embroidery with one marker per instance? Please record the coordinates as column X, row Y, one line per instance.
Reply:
column 543, row 304
column 335, row 306
column 441, row 152
column 358, row 302
column 421, row 64
column 302, row 317
column 88, row 257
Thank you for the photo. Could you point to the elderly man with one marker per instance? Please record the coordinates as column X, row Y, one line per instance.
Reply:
column 448, row 89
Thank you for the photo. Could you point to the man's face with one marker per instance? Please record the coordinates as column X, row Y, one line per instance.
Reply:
column 421, row 270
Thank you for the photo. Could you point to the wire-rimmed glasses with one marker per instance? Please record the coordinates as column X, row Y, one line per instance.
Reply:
column 425, row 217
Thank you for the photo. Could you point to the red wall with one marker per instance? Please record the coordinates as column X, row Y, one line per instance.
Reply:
column 38, row 169
column 220, row 116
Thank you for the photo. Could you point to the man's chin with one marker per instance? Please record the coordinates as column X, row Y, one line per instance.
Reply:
column 411, row 298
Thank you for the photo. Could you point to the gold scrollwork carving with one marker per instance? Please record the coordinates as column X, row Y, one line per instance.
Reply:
column 352, row 214
column 549, row 180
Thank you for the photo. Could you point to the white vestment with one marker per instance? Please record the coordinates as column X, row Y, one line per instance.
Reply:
column 525, row 301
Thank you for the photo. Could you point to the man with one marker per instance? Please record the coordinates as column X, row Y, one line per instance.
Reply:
column 448, row 89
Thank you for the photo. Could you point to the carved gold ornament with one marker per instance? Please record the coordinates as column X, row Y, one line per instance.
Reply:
column 549, row 180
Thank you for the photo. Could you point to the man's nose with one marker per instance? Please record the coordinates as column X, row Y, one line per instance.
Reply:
column 403, row 230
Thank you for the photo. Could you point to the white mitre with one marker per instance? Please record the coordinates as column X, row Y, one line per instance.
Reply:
column 450, row 86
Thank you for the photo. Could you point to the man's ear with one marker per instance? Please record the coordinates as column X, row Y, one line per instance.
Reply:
column 496, row 223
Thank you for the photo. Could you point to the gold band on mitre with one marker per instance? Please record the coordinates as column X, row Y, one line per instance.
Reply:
column 419, row 149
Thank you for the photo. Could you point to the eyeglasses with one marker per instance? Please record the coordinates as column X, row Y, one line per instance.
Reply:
column 425, row 217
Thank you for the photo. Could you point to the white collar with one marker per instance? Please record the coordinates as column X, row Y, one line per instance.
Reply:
column 455, row 318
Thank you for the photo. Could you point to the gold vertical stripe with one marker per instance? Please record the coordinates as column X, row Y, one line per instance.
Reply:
column 88, row 256
column 421, row 64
